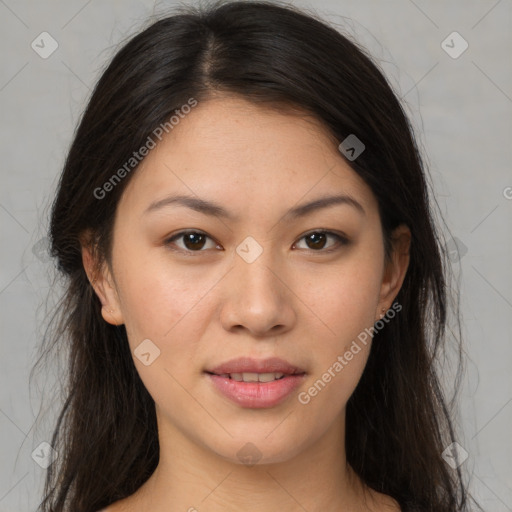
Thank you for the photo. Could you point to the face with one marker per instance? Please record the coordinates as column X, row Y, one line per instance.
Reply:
column 255, row 273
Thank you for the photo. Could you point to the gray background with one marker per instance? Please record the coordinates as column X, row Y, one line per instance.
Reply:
column 460, row 107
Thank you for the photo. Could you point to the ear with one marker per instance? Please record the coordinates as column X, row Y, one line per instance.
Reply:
column 395, row 270
column 102, row 281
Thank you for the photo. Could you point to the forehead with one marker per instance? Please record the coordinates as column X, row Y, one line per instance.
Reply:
column 229, row 146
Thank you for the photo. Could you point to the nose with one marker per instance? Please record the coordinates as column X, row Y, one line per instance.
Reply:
column 257, row 298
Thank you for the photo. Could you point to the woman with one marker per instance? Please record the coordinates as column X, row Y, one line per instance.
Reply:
column 256, row 288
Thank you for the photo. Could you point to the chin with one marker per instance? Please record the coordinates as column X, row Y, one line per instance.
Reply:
column 258, row 449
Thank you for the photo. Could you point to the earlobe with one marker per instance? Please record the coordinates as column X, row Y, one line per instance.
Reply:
column 396, row 268
column 110, row 316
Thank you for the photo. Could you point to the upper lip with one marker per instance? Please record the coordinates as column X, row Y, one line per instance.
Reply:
column 249, row 365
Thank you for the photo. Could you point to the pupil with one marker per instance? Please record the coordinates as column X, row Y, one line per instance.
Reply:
column 191, row 244
column 317, row 244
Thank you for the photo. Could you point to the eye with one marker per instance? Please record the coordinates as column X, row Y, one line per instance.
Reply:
column 193, row 241
column 316, row 240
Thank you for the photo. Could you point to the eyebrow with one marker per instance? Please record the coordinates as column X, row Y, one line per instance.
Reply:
column 211, row 208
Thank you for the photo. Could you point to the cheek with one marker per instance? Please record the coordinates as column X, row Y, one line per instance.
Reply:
column 158, row 299
column 346, row 307
column 168, row 308
column 343, row 299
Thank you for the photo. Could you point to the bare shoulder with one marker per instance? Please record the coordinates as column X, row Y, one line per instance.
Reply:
column 378, row 503
column 383, row 503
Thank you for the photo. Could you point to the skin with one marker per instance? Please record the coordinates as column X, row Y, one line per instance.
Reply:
column 295, row 301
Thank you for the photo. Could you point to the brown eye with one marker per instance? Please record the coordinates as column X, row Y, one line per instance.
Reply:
column 317, row 240
column 192, row 241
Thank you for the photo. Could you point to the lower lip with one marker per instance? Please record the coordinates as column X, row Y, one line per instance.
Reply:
column 257, row 395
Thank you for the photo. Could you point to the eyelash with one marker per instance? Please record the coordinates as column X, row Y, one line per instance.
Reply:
column 342, row 241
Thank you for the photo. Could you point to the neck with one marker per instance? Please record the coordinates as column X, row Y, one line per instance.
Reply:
column 191, row 477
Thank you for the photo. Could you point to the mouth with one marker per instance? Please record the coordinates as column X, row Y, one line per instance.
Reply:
column 254, row 377
column 256, row 384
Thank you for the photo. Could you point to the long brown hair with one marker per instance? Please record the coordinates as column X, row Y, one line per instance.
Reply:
column 398, row 421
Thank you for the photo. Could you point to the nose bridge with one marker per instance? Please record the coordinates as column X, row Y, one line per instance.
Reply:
column 256, row 297
column 256, row 268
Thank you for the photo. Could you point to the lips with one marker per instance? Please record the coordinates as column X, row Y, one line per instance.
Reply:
column 256, row 384
column 247, row 365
